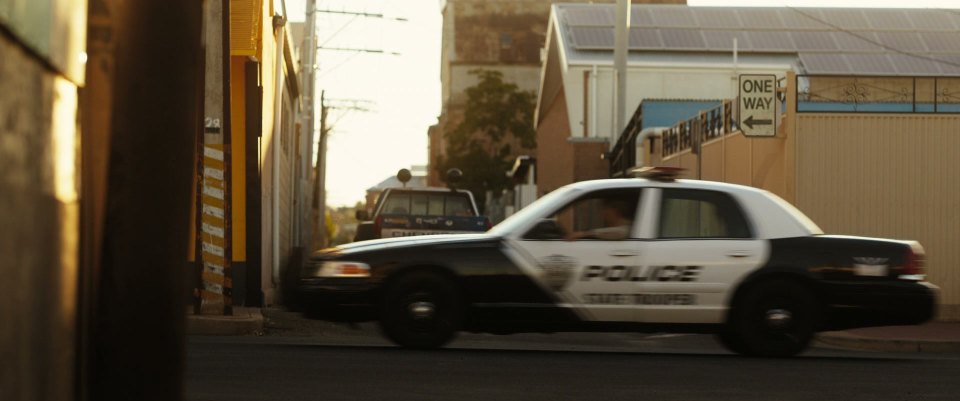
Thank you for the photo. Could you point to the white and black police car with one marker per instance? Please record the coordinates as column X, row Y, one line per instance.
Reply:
column 646, row 254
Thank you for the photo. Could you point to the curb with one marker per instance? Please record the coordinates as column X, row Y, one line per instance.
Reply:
column 250, row 322
column 851, row 341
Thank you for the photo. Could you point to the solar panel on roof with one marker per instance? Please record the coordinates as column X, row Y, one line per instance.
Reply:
column 845, row 18
column 682, row 39
column 909, row 65
column 887, row 19
column 933, row 20
column 759, row 18
column 824, row 64
column 674, row 17
column 949, row 64
column 645, row 38
column 794, row 20
column 723, row 40
column 852, row 47
column 813, row 40
column 940, row 41
column 770, row 41
column 592, row 37
column 718, row 18
column 583, row 16
column 877, row 64
column 856, row 41
column 905, row 41
column 640, row 17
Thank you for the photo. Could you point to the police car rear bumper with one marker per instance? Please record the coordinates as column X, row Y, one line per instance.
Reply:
column 865, row 304
column 338, row 299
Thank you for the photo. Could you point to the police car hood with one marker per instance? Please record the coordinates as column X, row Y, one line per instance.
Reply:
column 405, row 242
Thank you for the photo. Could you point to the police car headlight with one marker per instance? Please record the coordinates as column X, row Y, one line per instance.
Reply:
column 342, row 269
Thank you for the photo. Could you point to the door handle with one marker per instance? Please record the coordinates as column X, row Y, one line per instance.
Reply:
column 621, row 254
column 738, row 254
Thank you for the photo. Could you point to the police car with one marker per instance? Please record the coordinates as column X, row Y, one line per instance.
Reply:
column 686, row 256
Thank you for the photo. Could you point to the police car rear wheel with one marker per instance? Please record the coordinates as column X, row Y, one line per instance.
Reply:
column 777, row 318
column 731, row 342
column 421, row 310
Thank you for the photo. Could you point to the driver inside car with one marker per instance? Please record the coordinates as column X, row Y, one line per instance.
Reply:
column 616, row 223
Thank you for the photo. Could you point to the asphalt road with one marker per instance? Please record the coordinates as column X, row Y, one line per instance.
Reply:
column 305, row 360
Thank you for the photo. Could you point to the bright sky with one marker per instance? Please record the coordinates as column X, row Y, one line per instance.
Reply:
column 368, row 147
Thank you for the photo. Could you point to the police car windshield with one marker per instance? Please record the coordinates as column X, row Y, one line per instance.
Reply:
column 539, row 207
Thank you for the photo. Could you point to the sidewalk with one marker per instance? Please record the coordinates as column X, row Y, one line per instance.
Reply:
column 930, row 337
column 245, row 321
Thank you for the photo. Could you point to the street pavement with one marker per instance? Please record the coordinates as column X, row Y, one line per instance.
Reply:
column 297, row 359
column 933, row 337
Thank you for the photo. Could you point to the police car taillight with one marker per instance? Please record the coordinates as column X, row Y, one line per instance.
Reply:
column 913, row 265
column 487, row 223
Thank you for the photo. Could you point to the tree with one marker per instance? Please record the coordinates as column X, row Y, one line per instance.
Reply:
column 497, row 126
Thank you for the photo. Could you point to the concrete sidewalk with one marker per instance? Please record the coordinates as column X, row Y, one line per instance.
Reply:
column 245, row 321
column 930, row 337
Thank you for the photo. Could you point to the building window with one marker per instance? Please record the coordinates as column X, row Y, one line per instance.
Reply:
column 506, row 40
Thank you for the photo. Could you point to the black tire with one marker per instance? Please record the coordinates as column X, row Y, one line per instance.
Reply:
column 775, row 318
column 731, row 342
column 421, row 310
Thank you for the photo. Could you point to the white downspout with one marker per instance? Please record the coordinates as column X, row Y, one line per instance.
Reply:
column 736, row 69
column 275, row 174
column 593, row 101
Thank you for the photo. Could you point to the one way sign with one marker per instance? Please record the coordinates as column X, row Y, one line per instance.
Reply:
column 758, row 105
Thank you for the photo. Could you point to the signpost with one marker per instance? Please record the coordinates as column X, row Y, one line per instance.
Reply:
column 757, row 108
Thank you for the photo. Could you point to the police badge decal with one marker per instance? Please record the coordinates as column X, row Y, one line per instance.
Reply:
column 556, row 271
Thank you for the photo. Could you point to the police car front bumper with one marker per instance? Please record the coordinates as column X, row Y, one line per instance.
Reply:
column 338, row 299
column 881, row 303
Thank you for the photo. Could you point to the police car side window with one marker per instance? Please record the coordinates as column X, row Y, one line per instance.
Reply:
column 602, row 215
column 687, row 213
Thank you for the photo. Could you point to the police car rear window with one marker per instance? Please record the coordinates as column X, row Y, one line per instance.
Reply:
column 429, row 204
column 689, row 213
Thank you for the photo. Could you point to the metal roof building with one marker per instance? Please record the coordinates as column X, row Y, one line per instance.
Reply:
column 826, row 41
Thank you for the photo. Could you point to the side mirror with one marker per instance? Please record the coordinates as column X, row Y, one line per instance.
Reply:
column 545, row 229
column 362, row 215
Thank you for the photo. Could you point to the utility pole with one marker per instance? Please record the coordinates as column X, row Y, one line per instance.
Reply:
column 213, row 257
column 621, row 44
column 320, row 191
column 308, row 73
column 320, row 181
column 311, row 47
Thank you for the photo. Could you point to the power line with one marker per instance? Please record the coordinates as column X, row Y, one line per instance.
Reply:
column 358, row 50
column 344, row 26
column 362, row 14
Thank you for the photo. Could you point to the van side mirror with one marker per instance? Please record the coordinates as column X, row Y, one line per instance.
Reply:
column 362, row 215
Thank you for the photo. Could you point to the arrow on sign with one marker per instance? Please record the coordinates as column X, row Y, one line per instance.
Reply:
column 750, row 122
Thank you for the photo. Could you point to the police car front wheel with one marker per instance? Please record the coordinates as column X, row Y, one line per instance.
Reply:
column 421, row 310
